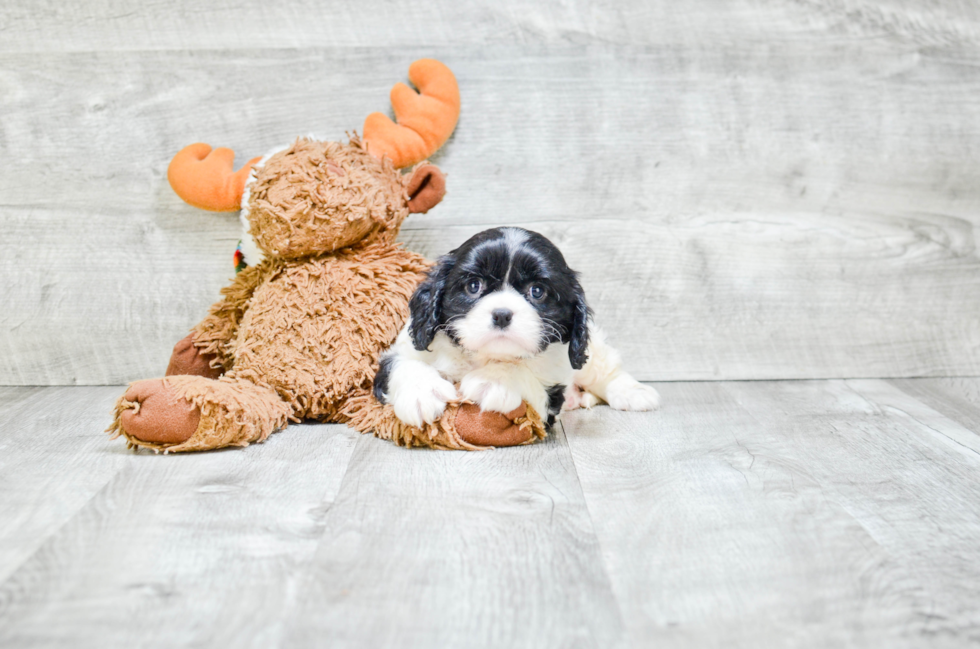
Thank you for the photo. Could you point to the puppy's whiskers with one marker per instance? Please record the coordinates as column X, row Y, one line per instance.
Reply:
column 552, row 326
column 448, row 323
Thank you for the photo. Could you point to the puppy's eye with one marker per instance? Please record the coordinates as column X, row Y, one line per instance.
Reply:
column 536, row 292
column 474, row 286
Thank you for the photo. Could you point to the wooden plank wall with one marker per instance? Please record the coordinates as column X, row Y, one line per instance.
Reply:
column 751, row 189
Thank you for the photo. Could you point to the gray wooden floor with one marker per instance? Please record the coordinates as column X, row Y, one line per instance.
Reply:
column 793, row 513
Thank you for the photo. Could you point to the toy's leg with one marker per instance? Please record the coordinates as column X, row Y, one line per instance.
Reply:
column 461, row 427
column 193, row 413
column 188, row 359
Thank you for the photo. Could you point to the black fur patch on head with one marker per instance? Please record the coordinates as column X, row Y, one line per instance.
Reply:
column 426, row 303
column 521, row 259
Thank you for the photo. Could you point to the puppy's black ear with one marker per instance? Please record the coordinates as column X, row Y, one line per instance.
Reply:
column 578, row 343
column 426, row 303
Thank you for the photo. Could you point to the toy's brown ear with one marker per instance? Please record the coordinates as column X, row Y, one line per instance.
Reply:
column 425, row 188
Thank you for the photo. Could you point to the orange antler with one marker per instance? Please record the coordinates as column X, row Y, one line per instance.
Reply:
column 425, row 119
column 205, row 178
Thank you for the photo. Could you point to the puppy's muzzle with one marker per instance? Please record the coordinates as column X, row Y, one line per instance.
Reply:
column 501, row 318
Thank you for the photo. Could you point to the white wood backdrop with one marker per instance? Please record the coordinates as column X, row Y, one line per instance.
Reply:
column 751, row 189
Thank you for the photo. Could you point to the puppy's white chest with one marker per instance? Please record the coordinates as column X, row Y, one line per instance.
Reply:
column 548, row 368
column 552, row 367
column 450, row 361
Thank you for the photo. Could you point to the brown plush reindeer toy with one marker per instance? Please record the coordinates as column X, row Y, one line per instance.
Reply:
column 298, row 333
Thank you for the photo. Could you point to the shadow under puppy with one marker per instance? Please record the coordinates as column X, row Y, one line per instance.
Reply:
column 505, row 318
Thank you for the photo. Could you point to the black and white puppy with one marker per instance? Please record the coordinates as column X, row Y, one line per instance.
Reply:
column 506, row 318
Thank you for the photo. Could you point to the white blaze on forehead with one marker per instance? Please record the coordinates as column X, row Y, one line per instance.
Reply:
column 514, row 239
column 521, row 339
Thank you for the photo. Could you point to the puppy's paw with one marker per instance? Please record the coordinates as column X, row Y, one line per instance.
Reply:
column 423, row 400
column 625, row 393
column 489, row 394
column 576, row 397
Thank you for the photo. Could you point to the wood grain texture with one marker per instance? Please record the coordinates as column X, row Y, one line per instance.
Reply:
column 956, row 398
column 436, row 549
column 754, row 240
column 783, row 514
column 105, row 546
column 47, row 434
column 777, row 514
column 31, row 26
column 910, row 483
column 751, row 190
column 947, row 427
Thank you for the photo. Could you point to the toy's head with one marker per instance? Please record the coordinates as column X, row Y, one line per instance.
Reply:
column 313, row 196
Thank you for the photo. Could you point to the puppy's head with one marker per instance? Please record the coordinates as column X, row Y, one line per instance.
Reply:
column 505, row 294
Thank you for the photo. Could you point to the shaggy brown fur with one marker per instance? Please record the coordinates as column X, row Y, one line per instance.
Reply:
column 322, row 196
column 462, row 426
column 233, row 412
column 315, row 326
column 298, row 335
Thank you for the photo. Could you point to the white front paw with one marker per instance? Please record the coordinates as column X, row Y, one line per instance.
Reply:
column 625, row 393
column 422, row 401
column 490, row 395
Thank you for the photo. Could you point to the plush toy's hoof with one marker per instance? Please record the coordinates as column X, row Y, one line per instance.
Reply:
column 158, row 415
column 492, row 428
column 188, row 359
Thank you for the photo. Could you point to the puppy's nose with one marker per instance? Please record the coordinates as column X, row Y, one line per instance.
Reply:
column 501, row 318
